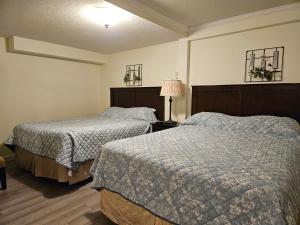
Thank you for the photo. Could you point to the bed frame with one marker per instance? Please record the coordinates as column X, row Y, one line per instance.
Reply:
column 122, row 97
column 248, row 100
column 138, row 97
column 238, row 100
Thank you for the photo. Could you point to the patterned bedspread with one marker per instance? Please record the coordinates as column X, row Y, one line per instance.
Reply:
column 225, row 171
column 72, row 142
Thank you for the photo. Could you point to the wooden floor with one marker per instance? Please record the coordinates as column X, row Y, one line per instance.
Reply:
column 32, row 200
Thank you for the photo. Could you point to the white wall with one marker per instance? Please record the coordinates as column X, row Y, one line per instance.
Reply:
column 159, row 63
column 36, row 88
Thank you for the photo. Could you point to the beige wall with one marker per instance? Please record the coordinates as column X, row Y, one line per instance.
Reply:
column 213, row 54
column 221, row 60
column 217, row 50
column 37, row 88
column 159, row 63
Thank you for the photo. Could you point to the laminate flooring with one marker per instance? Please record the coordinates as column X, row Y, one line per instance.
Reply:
column 33, row 200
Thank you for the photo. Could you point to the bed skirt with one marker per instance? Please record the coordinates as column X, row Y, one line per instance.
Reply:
column 123, row 212
column 41, row 166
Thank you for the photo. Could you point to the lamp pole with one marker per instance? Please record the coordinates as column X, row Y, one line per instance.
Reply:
column 170, row 111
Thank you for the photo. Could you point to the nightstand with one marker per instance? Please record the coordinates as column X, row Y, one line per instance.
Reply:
column 161, row 125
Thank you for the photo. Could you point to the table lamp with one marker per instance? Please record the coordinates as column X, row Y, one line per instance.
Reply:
column 172, row 88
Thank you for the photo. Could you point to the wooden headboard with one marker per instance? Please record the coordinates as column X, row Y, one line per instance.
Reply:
column 138, row 97
column 248, row 100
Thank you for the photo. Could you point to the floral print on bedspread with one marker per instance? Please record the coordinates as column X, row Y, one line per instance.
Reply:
column 202, row 175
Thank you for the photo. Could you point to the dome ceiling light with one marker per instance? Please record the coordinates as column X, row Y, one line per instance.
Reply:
column 105, row 14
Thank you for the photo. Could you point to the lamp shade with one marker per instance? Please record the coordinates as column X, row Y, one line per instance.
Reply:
column 172, row 88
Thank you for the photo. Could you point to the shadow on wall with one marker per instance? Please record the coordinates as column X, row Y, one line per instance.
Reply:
column 4, row 151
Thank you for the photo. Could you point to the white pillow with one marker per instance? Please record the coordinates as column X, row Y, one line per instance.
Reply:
column 137, row 113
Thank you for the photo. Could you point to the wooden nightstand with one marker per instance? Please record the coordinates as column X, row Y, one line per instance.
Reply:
column 161, row 125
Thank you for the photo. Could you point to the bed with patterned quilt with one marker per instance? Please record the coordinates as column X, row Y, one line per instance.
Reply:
column 212, row 169
column 65, row 149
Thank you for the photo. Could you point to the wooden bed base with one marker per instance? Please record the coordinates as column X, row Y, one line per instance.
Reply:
column 41, row 166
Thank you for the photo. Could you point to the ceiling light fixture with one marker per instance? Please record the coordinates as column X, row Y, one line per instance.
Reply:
column 105, row 14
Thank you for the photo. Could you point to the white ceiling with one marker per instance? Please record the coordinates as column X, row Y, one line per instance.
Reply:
column 60, row 21
column 196, row 12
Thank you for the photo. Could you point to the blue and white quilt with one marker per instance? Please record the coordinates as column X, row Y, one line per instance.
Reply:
column 213, row 169
column 71, row 142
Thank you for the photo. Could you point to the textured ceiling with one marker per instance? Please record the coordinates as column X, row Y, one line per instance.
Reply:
column 60, row 22
column 196, row 12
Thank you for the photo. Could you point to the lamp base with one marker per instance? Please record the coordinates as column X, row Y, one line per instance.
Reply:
column 171, row 122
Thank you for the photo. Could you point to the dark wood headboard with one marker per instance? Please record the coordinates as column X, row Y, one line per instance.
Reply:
column 139, row 97
column 248, row 100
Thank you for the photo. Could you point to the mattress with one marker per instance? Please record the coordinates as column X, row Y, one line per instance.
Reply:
column 213, row 169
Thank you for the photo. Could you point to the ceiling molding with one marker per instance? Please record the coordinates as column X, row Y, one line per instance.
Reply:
column 245, row 16
column 144, row 11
